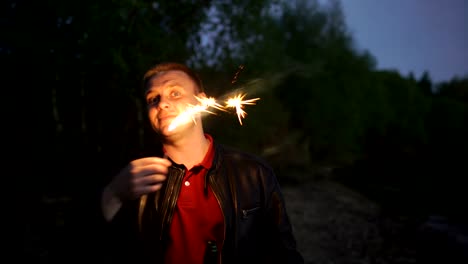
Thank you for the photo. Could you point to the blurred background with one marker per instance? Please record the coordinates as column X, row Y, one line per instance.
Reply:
column 363, row 113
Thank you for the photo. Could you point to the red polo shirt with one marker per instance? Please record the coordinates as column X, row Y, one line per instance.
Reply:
column 197, row 217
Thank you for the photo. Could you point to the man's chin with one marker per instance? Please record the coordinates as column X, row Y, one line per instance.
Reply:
column 165, row 126
column 168, row 131
column 165, row 131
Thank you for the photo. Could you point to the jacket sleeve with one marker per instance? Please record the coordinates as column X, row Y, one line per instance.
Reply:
column 91, row 237
column 110, row 240
column 120, row 236
column 284, row 240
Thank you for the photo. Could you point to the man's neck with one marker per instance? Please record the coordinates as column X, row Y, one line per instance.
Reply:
column 188, row 150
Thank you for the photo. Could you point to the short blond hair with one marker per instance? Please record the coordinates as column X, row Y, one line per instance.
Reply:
column 172, row 66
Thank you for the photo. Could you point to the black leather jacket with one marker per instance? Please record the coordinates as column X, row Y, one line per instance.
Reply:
column 257, row 226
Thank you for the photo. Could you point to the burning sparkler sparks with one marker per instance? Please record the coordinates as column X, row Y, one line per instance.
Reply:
column 192, row 110
column 238, row 103
column 209, row 102
column 235, row 102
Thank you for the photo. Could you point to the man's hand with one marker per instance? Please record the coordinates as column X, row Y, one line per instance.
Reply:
column 139, row 177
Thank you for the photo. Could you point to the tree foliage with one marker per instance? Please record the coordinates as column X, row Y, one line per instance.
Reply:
column 77, row 66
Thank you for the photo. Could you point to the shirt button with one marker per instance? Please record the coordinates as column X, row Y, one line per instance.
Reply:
column 187, row 183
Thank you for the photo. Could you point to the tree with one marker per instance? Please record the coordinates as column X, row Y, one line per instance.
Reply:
column 425, row 83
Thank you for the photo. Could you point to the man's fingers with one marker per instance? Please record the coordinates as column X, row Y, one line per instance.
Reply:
column 148, row 189
column 151, row 160
column 145, row 175
column 153, row 169
column 157, row 167
column 150, row 179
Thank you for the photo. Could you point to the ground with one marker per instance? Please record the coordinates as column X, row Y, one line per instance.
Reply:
column 334, row 224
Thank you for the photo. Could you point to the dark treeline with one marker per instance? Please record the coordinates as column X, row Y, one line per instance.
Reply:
column 75, row 67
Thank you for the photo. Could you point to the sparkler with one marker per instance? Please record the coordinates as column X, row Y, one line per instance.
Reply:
column 235, row 102
column 192, row 110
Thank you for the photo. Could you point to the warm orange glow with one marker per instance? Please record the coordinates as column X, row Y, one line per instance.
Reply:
column 238, row 103
column 235, row 102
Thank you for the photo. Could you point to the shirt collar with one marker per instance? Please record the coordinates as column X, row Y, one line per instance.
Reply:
column 208, row 159
column 209, row 156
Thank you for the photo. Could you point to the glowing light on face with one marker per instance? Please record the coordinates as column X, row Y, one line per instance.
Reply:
column 191, row 111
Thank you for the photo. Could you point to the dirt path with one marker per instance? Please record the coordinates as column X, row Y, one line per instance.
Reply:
column 336, row 225
column 332, row 223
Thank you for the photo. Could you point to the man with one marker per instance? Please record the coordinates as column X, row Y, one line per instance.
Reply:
column 198, row 201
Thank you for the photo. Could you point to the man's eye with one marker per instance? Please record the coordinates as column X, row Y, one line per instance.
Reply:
column 153, row 100
column 175, row 93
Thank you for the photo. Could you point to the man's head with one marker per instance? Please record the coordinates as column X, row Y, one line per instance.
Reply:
column 169, row 89
column 172, row 66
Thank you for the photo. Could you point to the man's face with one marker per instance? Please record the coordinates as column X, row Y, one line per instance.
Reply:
column 167, row 95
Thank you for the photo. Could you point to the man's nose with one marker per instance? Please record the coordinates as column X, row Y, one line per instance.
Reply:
column 163, row 103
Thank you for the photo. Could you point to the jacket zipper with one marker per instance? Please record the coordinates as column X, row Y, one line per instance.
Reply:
column 224, row 218
column 245, row 213
column 170, row 209
column 141, row 209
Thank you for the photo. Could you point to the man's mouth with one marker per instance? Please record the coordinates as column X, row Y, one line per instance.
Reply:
column 165, row 117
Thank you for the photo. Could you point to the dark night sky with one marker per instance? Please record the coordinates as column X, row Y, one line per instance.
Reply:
column 412, row 35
